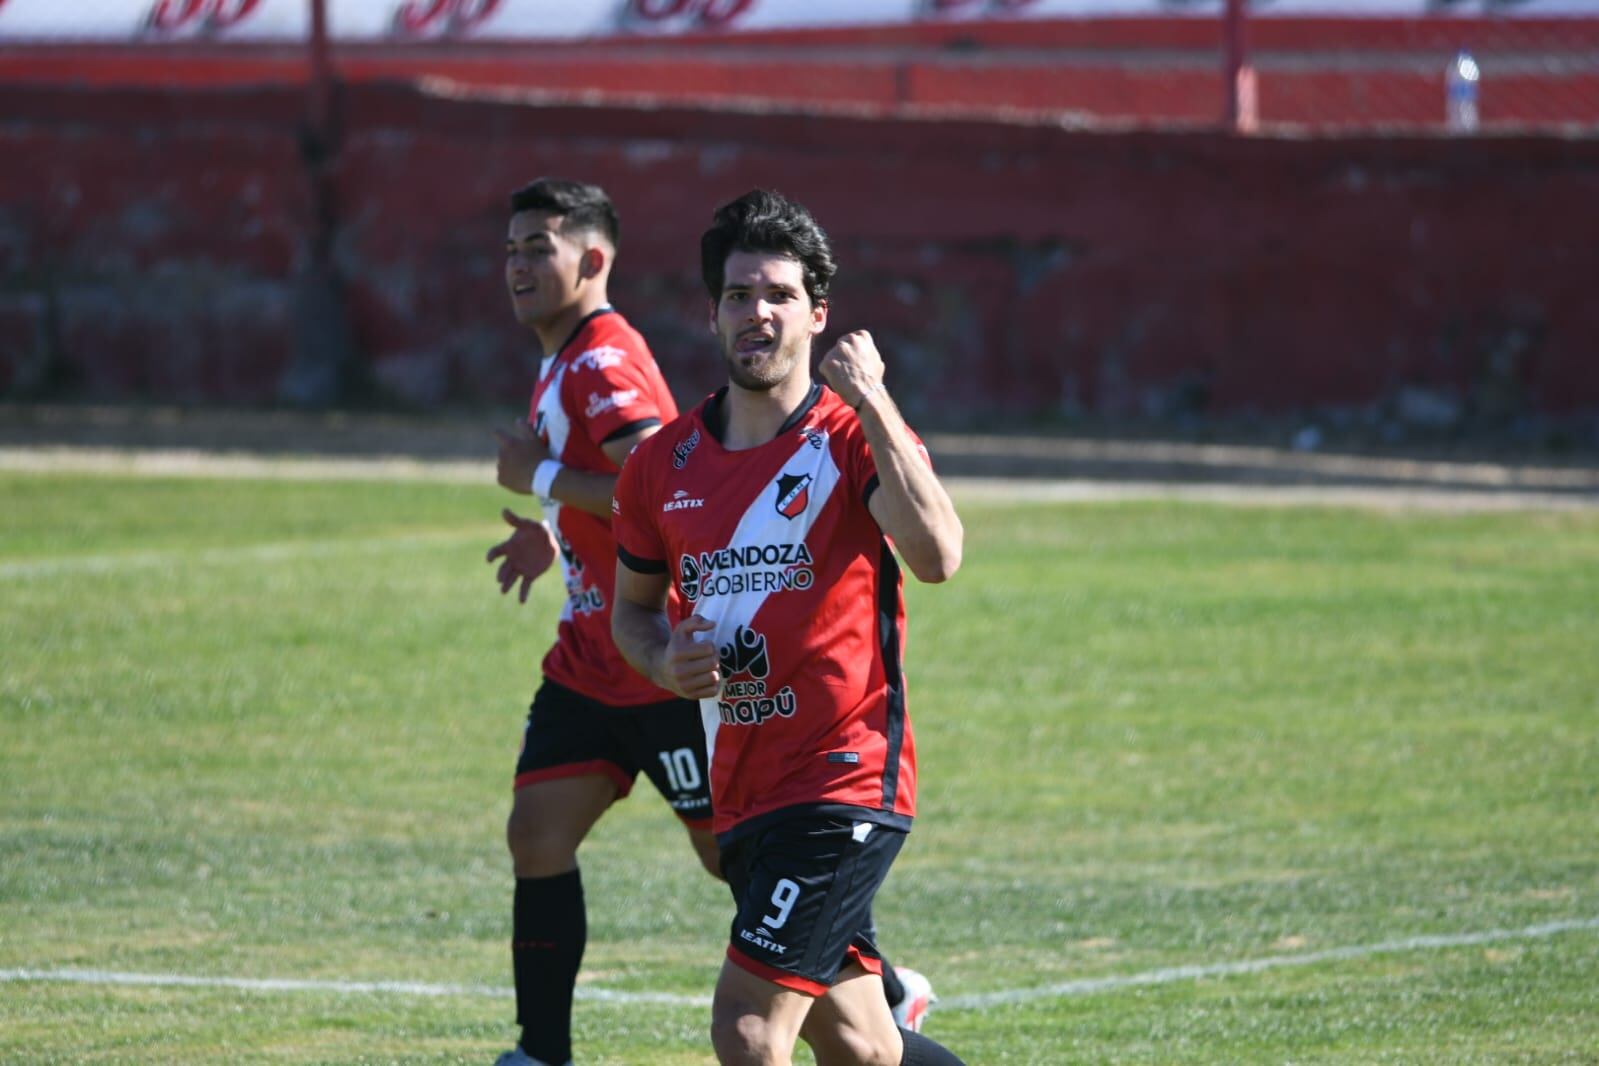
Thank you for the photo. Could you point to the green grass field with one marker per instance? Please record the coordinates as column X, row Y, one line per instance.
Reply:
column 265, row 729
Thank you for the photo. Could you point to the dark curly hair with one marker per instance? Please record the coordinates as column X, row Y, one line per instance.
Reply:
column 765, row 221
column 581, row 206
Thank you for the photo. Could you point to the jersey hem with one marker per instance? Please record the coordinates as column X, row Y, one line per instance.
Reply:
column 875, row 815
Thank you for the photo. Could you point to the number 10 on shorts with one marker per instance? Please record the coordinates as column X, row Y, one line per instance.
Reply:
column 682, row 771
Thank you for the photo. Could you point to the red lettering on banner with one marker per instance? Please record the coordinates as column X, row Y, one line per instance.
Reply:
column 941, row 6
column 659, row 9
column 705, row 12
column 171, row 15
column 416, row 17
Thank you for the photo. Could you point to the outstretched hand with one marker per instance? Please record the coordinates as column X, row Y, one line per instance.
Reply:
column 525, row 554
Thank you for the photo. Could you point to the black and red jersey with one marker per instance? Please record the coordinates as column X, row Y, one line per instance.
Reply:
column 602, row 384
column 775, row 545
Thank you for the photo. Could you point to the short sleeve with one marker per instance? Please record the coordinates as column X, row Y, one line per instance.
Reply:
column 610, row 390
column 638, row 538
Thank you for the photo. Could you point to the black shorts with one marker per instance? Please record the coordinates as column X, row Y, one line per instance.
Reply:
column 804, row 889
column 569, row 734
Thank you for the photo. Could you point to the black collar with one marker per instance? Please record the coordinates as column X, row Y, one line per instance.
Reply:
column 714, row 414
column 590, row 317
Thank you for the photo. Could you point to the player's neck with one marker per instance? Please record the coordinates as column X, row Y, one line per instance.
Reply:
column 753, row 418
column 557, row 330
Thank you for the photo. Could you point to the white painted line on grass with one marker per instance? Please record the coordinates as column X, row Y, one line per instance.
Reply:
column 1171, row 974
column 181, row 560
column 288, row 984
column 1498, row 489
column 975, row 1001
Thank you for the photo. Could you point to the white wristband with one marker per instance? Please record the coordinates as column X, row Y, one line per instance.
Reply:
column 544, row 477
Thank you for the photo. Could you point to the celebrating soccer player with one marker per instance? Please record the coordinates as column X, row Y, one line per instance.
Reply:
column 595, row 723
column 770, row 509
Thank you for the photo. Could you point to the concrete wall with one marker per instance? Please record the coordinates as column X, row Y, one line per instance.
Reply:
column 152, row 245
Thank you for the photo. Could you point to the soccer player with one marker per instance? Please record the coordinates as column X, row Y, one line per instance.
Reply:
column 595, row 723
column 770, row 509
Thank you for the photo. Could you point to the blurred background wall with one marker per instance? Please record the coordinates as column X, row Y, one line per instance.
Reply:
column 1175, row 214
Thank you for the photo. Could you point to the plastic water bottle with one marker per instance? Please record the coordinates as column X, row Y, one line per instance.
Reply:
column 1460, row 93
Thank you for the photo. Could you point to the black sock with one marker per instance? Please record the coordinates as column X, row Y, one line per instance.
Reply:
column 549, row 929
column 893, row 991
column 920, row 1051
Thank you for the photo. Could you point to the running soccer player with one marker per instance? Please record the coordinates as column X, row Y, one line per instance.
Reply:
column 594, row 723
column 769, row 509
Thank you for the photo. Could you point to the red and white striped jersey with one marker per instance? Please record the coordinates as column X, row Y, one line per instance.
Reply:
column 603, row 383
column 775, row 545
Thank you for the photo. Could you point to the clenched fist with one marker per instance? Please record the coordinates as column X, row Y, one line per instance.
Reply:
column 853, row 367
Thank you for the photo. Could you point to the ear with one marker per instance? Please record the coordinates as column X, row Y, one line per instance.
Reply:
column 818, row 317
column 710, row 307
column 594, row 262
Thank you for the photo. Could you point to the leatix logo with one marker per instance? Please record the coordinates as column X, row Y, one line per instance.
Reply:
column 762, row 938
column 793, row 494
column 682, row 501
column 745, row 702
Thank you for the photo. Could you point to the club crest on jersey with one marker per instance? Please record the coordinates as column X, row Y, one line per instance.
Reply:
column 684, row 447
column 793, row 494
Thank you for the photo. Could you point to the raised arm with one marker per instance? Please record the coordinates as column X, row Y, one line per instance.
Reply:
column 910, row 504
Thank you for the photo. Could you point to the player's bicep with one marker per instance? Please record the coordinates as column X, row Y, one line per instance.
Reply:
column 618, row 448
column 645, row 588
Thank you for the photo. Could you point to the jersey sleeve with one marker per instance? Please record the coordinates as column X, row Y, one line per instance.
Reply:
column 610, row 391
column 638, row 538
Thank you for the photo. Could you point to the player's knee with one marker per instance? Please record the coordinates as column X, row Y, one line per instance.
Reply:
column 539, row 846
column 740, row 1037
column 837, row 1045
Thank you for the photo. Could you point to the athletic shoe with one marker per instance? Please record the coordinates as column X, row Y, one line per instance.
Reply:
column 911, row 1012
column 517, row 1057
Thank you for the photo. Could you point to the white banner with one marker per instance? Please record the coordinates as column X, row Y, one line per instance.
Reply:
column 389, row 20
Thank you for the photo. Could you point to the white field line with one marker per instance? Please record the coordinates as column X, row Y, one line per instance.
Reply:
column 975, row 1001
column 1171, row 974
column 287, row 984
column 174, row 462
column 1498, row 494
column 180, row 559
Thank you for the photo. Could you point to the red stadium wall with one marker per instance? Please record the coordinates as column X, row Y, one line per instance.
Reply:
column 150, row 243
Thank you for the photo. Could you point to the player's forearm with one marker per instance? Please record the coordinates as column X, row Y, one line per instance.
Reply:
column 910, row 502
column 584, row 490
column 641, row 635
